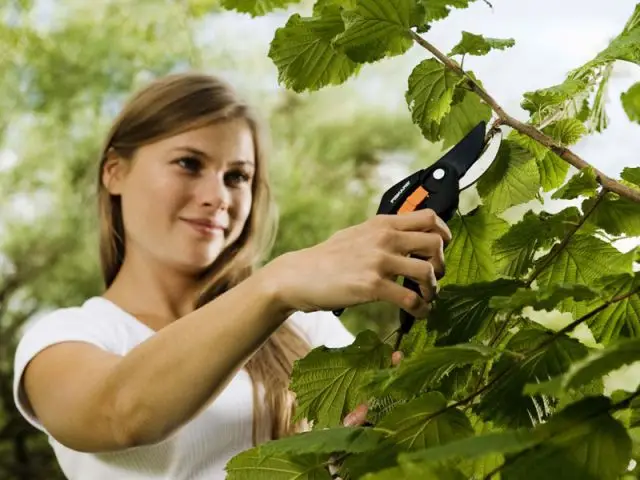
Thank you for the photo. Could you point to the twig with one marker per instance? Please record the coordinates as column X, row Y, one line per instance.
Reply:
column 529, row 130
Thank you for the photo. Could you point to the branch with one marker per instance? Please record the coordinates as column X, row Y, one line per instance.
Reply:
column 529, row 130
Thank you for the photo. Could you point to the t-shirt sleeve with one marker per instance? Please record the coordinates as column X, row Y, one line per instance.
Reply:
column 62, row 325
column 323, row 328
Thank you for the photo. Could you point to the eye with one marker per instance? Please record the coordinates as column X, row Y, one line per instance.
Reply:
column 237, row 177
column 191, row 164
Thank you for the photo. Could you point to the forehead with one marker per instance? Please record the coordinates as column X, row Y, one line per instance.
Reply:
column 225, row 141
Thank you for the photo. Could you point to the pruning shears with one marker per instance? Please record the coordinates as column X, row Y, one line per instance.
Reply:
column 438, row 187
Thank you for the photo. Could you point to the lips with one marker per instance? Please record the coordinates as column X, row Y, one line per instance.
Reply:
column 206, row 226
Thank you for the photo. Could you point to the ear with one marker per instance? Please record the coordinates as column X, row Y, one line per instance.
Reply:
column 114, row 173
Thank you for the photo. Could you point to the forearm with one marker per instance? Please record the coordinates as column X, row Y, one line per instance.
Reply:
column 164, row 382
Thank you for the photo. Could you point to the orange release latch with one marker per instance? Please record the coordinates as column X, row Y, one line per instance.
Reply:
column 411, row 203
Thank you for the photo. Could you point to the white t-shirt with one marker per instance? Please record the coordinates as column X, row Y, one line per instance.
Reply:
column 202, row 447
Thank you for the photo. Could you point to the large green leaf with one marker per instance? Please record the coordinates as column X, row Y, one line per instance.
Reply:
column 327, row 382
column 473, row 44
column 544, row 298
column 583, row 183
column 303, row 53
column 504, row 402
column 594, row 366
column 416, row 471
column 583, row 442
column 614, row 214
column 250, row 465
column 631, row 175
column 468, row 256
column 545, row 98
column 462, row 311
column 426, row 422
column 425, row 369
column 376, row 28
column 430, row 92
column 256, row 8
column 509, row 441
column 566, row 131
column 583, row 260
column 621, row 318
column 329, row 440
column 439, row 9
column 511, row 179
column 467, row 110
column 515, row 250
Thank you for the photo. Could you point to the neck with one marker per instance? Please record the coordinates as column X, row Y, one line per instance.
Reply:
column 156, row 295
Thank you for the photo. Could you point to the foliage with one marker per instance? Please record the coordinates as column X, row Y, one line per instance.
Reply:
column 484, row 391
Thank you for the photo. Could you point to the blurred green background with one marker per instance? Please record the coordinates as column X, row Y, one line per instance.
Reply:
column 66, row 66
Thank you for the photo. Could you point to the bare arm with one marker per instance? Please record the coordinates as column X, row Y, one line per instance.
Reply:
column 143, row 397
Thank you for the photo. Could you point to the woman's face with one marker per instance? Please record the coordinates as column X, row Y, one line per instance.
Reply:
column 186, row 198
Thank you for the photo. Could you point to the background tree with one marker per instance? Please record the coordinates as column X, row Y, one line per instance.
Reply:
column 66, row 68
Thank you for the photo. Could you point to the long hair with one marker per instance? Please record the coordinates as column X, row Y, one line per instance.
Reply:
column 169, row 106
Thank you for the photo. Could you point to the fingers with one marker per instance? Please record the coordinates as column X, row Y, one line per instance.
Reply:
column 429, row 246
column 425, row 220
column 357, row 417
column 405, row 298
column 420, row 271
column 396, row 358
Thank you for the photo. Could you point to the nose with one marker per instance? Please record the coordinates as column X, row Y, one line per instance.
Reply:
column 213, row 192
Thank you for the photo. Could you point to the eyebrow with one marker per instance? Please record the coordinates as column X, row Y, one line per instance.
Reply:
column 200, row 153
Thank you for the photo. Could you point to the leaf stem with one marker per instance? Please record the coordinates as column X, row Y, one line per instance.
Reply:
column 529, row 130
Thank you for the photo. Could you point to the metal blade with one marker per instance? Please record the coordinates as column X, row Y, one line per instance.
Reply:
column 483, row 163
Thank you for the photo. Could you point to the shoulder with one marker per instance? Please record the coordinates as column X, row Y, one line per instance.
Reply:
column 321, row 328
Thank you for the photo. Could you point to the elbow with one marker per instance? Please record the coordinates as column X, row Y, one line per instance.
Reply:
column 133, row 425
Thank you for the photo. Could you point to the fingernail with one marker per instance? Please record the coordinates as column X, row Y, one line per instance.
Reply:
column 347, row 420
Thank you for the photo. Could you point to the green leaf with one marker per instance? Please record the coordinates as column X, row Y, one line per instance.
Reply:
column 467, row 110
column 256, row 8
column 551, row 168
column 439, row 9
column 514, row 251
column 504, row 402
column 327, row 382
column 614, row 214
column 553, row 171
column 377, row 28
column 622, row 317
column 330, row 440
column 414, row 471
column 631, row 175
column 462, row 311
column 473, row 44
column 511, row 179
column 430, row 92
column 544, row 298
column 566, row 131
column 509, row 441
column 427, row 368
column 468, row 256
column 424, row 422
column 250, row 465
column 417, row 340
column 584, row 442
column 541, row 100
column 583, row 260
column 303, row 53
column 594, row 366
column 582, row 183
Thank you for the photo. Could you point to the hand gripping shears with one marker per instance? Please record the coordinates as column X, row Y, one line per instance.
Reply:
column 438, row 187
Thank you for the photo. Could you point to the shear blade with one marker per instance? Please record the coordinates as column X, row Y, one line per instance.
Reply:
column 483, row 163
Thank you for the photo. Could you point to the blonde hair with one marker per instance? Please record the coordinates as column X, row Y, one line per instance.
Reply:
column 169, row 106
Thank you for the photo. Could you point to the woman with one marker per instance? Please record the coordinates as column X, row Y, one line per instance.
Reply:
column 184, row 360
